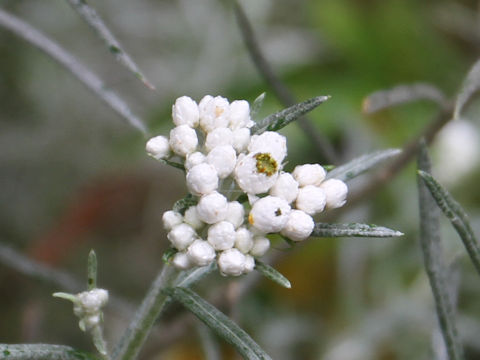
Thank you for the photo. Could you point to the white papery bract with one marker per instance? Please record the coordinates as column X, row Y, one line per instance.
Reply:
column 88, row 307
column 185, row 112
column 225, row 161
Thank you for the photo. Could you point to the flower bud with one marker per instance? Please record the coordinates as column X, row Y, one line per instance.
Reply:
column 299, row 226
column 191, row 218
column 260, row 246
column 201, row 253
column 231, row 262
column 170, row 219
column 239, row 115
column 183, row 140
column 311, row 199
column 212, row 208
column 181, row 261
column 243, row 240
column 158, row 147
column 185, row 112
column 235, row 213
column 335, row 192
column 218, row 137
column 286, row 187
column 181, row 236
column 221, row 235
column 249, row 264
column 223, row 158
column 213, row 113
column 193, row 159
column 269, row 214
column 309, row 174
column 241, row 139
column 202, row 179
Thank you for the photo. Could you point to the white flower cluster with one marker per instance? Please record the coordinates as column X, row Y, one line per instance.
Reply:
column 88, row 307
column 223, row 160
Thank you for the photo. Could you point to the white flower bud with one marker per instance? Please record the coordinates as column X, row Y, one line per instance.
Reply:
column 311, row 199
column 221, row 235
column 193, row 159
column 213, row 113
column 158, row 147
column 181, row 236
column 170, row 219
column 212, row 208
column 202, row 179
column 191, row 218
column 223, row 158
column 231, row 262
column 201, row 253
column 243, row 240
column 336, row 193
column 89, row 321
column 183, row 140
column 249, row 264
column 309, row 174
column 92, row 301
column 260, row 246
column 256, row 173
column 181, row 261
column 241, row 139
column 269, row 142
column 185, row 112
column 269, row 214
column 299, row 226
column 235, row 213
column 218, row 137
column 286, row 187
column 239, row 115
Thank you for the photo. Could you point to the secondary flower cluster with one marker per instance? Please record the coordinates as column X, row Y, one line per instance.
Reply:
column 223, row 161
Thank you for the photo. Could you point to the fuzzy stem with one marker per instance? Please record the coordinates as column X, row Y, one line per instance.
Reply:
column 151, row 307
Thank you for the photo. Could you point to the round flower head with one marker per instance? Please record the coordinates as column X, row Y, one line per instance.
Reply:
column 202, row 179
column 191, row 218
column 311, row 199
column 201, row 253
column 244, row 240
column 181, row 236
column 193, row 159
column 231, row 262
column 221, row 235
column 239, row 115
column 235, row 213
column 336, row 193
column 286, row 187
column 256, row 173
column 223, row 158
column 170, row 219
column 269, row 214
column 309, row 174
column 260, row 246
column 218, row 137
column 181, row 261
column 185, row 112
column 92, row 301
column 212, row 208
column 158, row 147
column 249, row 264
column 213, row 113
column 183, row 140
column 299, row 226
column 241, row 139
column 269, row 142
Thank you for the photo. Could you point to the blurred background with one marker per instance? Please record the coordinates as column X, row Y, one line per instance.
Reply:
column 74, row 175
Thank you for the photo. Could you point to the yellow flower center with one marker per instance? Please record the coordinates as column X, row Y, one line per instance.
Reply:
column 266, row 164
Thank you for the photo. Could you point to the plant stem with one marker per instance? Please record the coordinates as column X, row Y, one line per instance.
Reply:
column 138, row 330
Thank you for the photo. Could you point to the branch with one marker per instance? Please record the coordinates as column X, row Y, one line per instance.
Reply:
column 285, row 96
column 64, row 58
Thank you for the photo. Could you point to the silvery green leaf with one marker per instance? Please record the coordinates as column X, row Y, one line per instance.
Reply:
column 218, row 322
column 183, row 204
column 470, row 86
column 272, row 274
column 95, row 21
column 457, row 216
column 430, row 242
column 171, row 163
column 70, row 297
column 402, row 94
column 92, row 270
column 362, row 164
column 257, row 104
column 352, row 230
column 187, row 278
column 42, row 352
column 282, row 118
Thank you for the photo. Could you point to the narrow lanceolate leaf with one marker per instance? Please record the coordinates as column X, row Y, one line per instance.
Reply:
column 187, row 278
column 93, row 19
column 352, row 230
column 362, row 164
column 282, row 118
column 183, row 204
column 92, row 270
column 42, row 352
column 470, row 86
column 272, row 274
column 172, row 164
column 457, row 216
column 218, row 322
column 257, row 104
column 68, row 61
column 402, row 94
column 433, row 260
